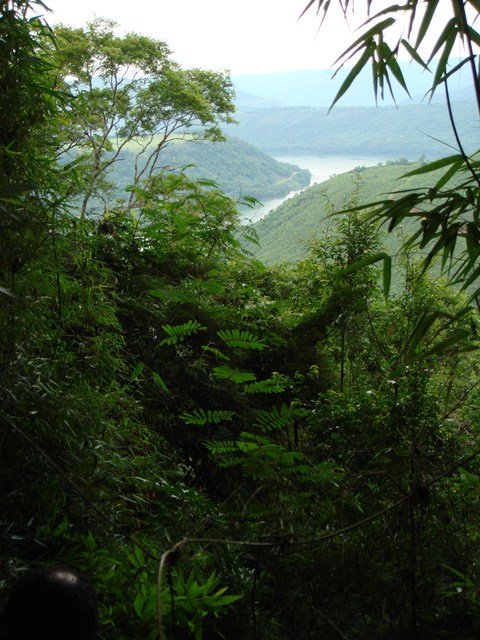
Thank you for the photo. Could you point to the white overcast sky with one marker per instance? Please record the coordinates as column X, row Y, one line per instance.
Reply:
column 243, row 36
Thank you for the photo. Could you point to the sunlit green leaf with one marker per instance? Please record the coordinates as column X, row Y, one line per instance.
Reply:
column 158, row 380
column 241, row 339
column 436, row 164
column 235, row 375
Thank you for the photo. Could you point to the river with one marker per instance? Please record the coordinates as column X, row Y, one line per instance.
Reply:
column 321, row 167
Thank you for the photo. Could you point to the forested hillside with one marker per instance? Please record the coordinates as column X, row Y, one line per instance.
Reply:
column 286, row 233
column 411, row 130
column 239, row 168
column 225, row 448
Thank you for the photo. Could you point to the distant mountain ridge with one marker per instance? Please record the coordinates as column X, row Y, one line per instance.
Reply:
column 318, row 88
column 410, row 131
column 287, row 113
column 251, row 101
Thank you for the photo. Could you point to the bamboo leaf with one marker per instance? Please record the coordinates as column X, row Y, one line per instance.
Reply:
column 431, row 7
column 457, row 337
column 216, row 352
column 448, row 175
column 420, row 331
column 396, row 71
column 7, row 292
column 320, row 2
column 414, row 54
column 441, row 69
column 474, row 275
column 136, row 373
column 435, row 165
column 353, row 74
column 366, row 40
column 369, row 260
column 387, row 275
column 473, row 35
column 457, row 67
column 475, row 4
column 158, row 380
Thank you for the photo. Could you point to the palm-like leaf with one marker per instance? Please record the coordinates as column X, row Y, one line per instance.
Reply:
column 241, row 339
column 372, row 44
column 179, row 332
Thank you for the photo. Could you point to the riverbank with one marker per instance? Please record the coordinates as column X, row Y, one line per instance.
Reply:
column 321, row 168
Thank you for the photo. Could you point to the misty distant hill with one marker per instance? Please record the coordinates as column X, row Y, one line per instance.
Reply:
column 318, row 88
column 251, row 101
column 410, row 131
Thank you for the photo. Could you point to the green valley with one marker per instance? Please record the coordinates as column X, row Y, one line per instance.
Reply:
column 239, row 168
column 286, row 233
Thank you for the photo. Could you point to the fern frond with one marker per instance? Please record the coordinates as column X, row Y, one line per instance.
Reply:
column 241, row 339
column 179, row 332
column 201, row 417
column 279, row 418
column 272, row 385
column 216, row 352
column 256, row 512
column 235, row 375
column 231, row 462
column 221, row 446
column 288, row 458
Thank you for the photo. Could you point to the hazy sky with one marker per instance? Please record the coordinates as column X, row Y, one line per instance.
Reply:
column 247, row 36
column 243, row 36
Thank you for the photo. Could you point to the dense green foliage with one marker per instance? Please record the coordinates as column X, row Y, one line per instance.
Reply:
column 285, row 450
column 129, row 89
